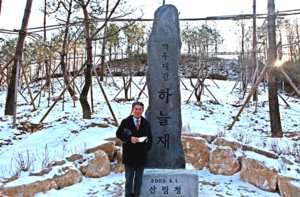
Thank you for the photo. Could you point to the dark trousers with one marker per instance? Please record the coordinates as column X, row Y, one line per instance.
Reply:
column 136, row 172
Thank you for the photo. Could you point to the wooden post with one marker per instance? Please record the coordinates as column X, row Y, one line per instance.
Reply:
column 275, row 121
column 92, row 99
column 74, row 63
column 112, row 77
column 103, row 44
column 107, row 101
column 28, row 86
column 63, row 103
column 61, row 94
column 16, row 93
column 250, row 94
column 41, row 86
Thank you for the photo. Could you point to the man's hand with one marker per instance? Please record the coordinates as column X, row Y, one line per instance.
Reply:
column 134, row 140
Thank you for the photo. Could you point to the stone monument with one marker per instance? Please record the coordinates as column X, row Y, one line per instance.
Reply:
column 166, row 173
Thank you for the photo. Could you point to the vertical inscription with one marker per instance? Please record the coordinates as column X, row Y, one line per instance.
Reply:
column 164, row 111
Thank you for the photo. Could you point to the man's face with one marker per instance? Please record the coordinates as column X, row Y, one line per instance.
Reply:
column 137, row 111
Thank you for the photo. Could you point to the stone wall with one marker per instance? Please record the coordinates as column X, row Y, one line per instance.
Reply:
column 220, row 155
column 258, row 167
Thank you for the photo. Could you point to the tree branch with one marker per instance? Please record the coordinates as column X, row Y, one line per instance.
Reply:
column 115, row 32
column 111, row 13
column 87, row 3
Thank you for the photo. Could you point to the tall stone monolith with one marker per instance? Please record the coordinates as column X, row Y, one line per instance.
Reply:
column 164, row 111
column 166, row 174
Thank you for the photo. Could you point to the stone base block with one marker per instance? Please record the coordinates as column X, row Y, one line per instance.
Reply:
column 165, row 182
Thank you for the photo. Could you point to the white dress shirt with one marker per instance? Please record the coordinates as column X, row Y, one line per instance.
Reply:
column 134, row 120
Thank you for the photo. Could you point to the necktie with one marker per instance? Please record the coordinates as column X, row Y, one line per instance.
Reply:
column 137, row 124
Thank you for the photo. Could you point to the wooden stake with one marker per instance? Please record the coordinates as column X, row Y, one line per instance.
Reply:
column 213, row 81
column 121, row 89
column 112, row 77
column 107, row 101
column 61, row 94
column 283, row 100
column 183, row 84
column 16, row 94
column 6, row 65
column 28, row 86
column 92, row 99
column 139, row 88
column 292, row 93
column 140, row 94
column 265, row 70
column 290, row 81
column 45, row 84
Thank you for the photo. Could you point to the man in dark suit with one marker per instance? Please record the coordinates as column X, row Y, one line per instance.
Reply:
column 134, row 149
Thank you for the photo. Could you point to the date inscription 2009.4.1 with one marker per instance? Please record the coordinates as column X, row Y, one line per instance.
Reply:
column 164, row 181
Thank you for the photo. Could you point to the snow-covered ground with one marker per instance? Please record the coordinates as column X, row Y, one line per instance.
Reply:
column 66, row 133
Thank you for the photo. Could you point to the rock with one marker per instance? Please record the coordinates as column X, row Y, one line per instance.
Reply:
column 116, row 140
column 113, row 167
column 11, row 179
column 40, row 186
column 41, row 173
column 56, row 163
column 259, row 151
column 107, row 147
column 74, row 157
column 222, row 160
column 120, row 168
column 119, row 155
column 259, row 171
column 208, row 138
column 83, row 169
column 99, row 166
column 196, row 151
column 233, row 144
column 163, row 82
column 288, row 186
column 28, row 190
column 286, row 161
column 69, row 175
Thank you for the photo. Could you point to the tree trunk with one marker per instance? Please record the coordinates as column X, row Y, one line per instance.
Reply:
column 272, row 75
column 83, row 96
column 9, row 106
column 63, row 52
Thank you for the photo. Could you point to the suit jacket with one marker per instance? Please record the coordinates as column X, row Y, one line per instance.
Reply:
column 134, row 153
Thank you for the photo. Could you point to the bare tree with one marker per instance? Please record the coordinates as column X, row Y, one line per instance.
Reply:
column 67, row 5
column 88, row 17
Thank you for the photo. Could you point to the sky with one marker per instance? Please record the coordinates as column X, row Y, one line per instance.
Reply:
column 11, row 16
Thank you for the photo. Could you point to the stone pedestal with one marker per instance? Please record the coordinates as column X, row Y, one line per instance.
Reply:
column 172, row 182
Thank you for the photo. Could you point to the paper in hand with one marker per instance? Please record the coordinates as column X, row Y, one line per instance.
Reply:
column 142, row 139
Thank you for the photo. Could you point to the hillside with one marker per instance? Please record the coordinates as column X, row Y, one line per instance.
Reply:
column 64, row 133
